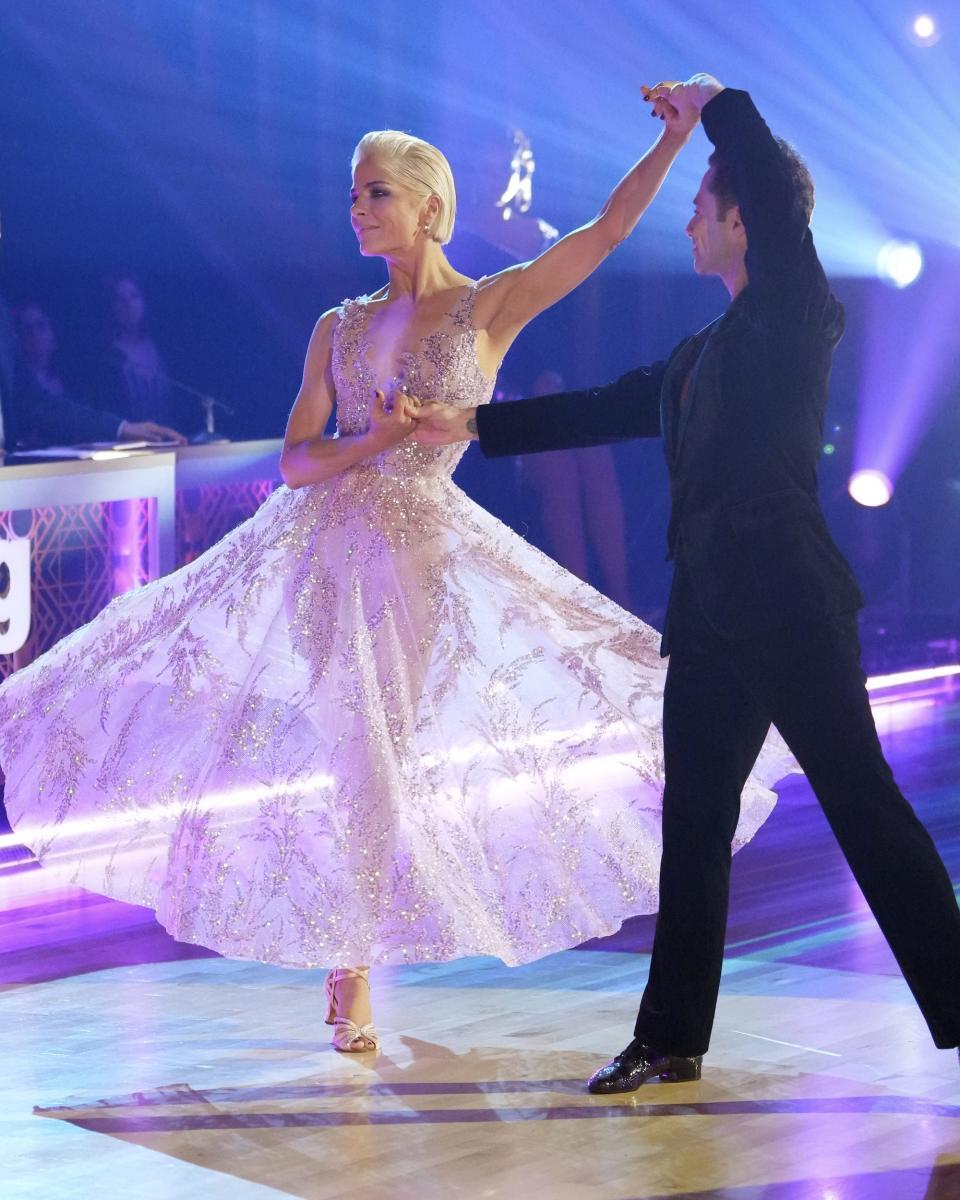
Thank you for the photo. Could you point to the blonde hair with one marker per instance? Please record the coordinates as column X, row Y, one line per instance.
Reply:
column 417, row 166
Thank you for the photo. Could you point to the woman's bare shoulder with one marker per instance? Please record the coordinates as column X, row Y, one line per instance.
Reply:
column 321, row 337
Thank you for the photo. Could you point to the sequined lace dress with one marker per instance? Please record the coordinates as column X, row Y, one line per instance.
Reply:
column 372, row 724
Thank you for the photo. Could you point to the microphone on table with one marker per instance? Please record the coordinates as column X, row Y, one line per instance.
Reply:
column 209, row 435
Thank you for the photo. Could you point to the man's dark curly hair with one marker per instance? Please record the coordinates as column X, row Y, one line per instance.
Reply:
column 723, row 185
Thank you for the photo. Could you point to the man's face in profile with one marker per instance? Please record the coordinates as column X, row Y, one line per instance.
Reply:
column 719, row 243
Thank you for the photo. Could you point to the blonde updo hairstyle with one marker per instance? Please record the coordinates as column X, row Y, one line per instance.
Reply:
column 417, row 166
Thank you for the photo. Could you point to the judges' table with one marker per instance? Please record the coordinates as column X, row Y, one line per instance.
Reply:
column 96, row 528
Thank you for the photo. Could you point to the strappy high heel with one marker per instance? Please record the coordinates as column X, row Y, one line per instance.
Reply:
column 345, row 1031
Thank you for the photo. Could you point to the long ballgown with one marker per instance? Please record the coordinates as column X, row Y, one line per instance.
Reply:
column 372, row 724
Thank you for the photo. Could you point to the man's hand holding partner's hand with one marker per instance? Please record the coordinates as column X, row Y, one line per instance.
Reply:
column 680, row 104
column 440, row 424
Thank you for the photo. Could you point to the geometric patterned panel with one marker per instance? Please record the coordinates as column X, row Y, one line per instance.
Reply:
column 206, row 514
column 82, row 555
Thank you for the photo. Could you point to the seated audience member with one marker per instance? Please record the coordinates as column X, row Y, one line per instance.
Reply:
column 44, row 412
column 8, row 355
column 135, row 379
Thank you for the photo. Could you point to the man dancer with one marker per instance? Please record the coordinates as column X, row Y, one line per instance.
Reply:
column 761, row 623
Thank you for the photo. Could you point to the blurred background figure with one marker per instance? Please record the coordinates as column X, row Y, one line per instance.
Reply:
column 44, row 412
column 135, row 379
column 8, row 354
column 580, row 508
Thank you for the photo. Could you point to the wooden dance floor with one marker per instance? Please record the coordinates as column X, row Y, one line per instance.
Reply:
column 141, row 1069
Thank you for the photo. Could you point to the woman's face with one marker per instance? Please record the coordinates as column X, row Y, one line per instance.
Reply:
column 36, row 335
column 127, row 305
column 385, row 216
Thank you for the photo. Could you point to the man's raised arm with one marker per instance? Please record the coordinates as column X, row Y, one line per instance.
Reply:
column 774, row 193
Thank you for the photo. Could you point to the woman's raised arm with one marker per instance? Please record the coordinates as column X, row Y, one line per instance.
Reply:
column 511, row 299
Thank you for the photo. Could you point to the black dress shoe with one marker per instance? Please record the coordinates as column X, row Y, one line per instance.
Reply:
column 637, row 1064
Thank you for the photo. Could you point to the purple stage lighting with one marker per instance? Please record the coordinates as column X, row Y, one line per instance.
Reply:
column 908, row 365
column 870, row 488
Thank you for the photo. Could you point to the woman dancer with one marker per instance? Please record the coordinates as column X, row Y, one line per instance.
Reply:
column 372, row 725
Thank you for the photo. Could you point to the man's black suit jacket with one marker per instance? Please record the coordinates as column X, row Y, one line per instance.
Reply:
column 742, row 445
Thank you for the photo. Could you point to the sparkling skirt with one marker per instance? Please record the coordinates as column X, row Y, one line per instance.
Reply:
column 372, row 724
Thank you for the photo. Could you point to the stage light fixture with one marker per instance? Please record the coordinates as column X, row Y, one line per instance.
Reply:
column 924, row 30
column 870, row 488
column 900, row 263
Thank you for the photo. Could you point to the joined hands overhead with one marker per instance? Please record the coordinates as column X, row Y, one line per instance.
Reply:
column 679, row 105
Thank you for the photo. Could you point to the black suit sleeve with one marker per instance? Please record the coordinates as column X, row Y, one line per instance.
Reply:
column 628, row 408
column 787, row 283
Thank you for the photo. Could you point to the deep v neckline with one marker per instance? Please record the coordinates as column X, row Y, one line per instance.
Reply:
column 454, row 316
